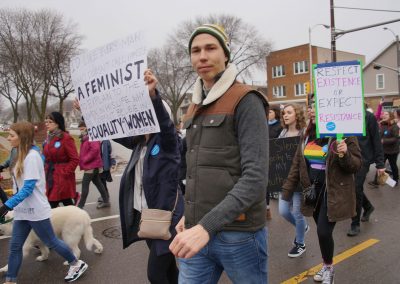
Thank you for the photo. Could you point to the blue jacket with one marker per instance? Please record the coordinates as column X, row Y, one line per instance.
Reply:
column 160, row 179
column 108, row 161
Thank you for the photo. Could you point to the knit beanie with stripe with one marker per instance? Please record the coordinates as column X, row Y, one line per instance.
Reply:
column 216, row 31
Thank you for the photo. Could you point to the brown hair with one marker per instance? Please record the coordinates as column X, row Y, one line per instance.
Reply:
column 25, row 132
column 300, row 117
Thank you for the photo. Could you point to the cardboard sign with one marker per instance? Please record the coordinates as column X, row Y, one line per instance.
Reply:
column 281, row 153
column 109, row 85
column 339, row 99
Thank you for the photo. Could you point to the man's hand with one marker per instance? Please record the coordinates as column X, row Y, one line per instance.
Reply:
column 151, row 82
column 180, row 227
column 189, row 242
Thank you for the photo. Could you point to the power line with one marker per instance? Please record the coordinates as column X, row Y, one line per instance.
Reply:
column 375, row 10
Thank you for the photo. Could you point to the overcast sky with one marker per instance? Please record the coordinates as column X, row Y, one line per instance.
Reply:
column 284, row 22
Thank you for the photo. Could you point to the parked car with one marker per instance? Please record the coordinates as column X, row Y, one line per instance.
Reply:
column 74, row 125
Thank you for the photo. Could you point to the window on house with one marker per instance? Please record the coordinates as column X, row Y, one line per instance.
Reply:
column 380, row 81
column 278, row 71
column 300, row 67
column 300, row 89
column 279, row 91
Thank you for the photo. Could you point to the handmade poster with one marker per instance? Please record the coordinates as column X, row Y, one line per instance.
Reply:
column 109, row 85
column 281, row 153
column 339, row 99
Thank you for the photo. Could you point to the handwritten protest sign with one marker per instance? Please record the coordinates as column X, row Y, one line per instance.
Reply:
column 109, row 85
column 281, row 153
column 339, row 98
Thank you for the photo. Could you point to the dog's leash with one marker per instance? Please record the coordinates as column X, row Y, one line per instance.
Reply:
column 4, row 221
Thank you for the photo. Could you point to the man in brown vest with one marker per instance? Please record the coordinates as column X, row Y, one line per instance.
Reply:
column 227, row 169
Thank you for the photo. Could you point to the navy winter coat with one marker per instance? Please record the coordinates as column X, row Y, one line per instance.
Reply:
column 160, row 179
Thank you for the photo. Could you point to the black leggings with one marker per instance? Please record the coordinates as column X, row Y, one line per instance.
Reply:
column 324, row 230
column 65, row 202
column 3, row 196
column 392, row 158
column 161, row 269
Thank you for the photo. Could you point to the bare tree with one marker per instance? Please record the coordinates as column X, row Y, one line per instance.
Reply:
column 9, row 92
column 248, row 52
column 61, row 77
column 28, row 44
column 174, row 73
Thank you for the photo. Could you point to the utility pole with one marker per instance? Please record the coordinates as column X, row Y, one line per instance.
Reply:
column 333, row 33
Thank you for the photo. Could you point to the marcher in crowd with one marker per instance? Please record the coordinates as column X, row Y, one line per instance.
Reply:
column 294, row 124
column 226, row 171
column 91, row 163
column 61, row 160
column 108, row 163
column 7, row 164
column 274, row 129
column 274, row 123
column 151, row 181
column 390, row 142
column 329, row 166
column 371, row 152
column 30, row 205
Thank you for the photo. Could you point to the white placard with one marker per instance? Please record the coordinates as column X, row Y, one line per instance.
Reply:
column 109, row 85
column 339, row 98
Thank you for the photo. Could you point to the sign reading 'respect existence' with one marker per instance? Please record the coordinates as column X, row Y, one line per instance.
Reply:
column 339, row 98
column 109, row 85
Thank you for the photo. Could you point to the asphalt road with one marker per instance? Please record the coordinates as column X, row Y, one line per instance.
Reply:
column 377, row 263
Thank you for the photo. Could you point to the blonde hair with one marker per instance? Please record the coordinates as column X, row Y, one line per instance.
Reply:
column 300, row 118
column 25, row 132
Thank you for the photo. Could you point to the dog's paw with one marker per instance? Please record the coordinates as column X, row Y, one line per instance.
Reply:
column 98, row 250
column 4, row 269
column 41, row 258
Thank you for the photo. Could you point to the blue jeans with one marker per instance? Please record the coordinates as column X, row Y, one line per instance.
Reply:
column 44, row 230
column 243, row 256
column 291, row 212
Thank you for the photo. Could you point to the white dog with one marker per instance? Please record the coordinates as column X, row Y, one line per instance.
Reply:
column 70, row 224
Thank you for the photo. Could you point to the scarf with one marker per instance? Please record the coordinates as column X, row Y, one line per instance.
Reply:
column 218, row 89
column 56, row 133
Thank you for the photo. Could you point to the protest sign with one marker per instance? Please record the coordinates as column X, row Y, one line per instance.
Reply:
column 281, row 153
column 109, row 85
column 339, row 99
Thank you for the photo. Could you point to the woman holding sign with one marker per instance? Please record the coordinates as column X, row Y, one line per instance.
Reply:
column 325, row 169
column 151, row 181
column 294, row 124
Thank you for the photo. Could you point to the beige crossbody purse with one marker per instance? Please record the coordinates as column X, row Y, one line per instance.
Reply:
column 155, row 223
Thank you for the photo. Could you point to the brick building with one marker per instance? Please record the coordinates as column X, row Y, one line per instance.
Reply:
column 288, row 71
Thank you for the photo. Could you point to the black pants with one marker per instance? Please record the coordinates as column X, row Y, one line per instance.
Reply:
column 95, row 178
column 361, row 199
column 392, row 158
column 161, row 269
column 105, row 177
column 65, row 202
column 324, row 230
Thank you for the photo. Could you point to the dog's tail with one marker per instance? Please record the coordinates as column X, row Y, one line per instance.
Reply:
column 90, row 241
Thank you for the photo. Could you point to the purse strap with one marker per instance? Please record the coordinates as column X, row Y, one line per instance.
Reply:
column 176, row 200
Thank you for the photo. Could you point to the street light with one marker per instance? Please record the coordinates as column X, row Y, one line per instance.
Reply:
column 310, row 50
column 398, row 57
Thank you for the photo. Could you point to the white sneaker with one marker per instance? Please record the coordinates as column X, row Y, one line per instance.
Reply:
column 319, row 276
column 75, row 271
column 325, row 275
